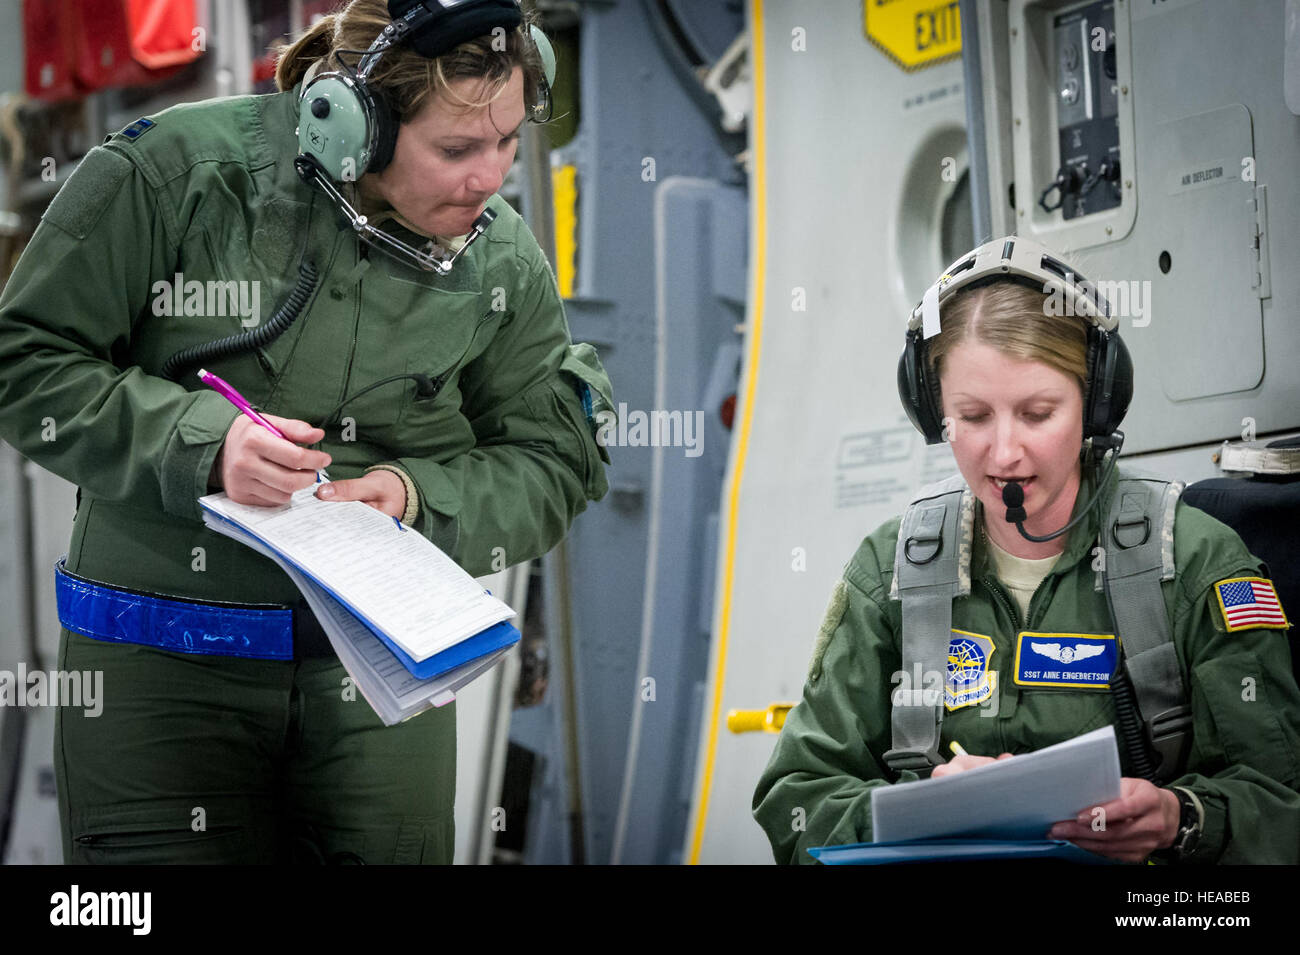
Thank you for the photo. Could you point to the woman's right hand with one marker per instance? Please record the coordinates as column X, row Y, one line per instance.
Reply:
column 959, row 764
column 255, row 467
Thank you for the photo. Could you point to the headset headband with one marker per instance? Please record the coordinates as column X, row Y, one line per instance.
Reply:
column 435, row 27
column 1018, row 259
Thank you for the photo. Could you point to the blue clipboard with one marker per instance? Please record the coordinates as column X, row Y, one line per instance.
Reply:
column 954, row 850
column 480, row 645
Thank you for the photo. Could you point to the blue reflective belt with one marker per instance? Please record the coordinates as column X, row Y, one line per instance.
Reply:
column 104, row 613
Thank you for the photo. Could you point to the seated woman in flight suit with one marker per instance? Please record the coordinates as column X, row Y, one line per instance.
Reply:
column 1028, row 657
column 265, row 752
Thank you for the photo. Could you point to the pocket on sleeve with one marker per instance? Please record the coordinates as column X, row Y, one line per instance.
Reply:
column 1242, row 697
column 583, row 368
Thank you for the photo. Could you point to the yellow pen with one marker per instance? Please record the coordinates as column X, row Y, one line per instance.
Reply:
column 956, row 749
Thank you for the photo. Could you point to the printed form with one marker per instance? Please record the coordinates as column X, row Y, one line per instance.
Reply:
column 391, row 576
column 1017, row 798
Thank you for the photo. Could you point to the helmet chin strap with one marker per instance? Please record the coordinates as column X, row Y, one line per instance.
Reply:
column 1013, row 495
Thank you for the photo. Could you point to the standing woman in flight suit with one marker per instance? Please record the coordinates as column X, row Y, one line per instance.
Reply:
column 451, row 399
column 1028, row 656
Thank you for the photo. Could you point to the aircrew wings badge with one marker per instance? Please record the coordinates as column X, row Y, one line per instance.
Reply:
column 1248, row 602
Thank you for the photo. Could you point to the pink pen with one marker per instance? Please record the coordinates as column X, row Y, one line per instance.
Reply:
column 224, row 389
column 235, row 398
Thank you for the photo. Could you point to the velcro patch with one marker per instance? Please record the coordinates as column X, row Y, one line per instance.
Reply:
column 834, row 614
column 1249, row 602
column 969, row 679
column 1069, row 660
column 81, row 202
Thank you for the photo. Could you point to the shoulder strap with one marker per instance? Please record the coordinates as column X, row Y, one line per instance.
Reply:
column 931, row 567
column 1137, row 538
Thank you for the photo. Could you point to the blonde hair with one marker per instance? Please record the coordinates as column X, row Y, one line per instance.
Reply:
column 403, row 77
column 1015, row 320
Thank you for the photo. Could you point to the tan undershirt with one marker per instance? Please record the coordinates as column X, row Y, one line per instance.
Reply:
column 1020, row 575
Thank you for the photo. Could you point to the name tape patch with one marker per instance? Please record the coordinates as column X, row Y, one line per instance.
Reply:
column 1247, row 602
column 969, row 680
column 1070, row 660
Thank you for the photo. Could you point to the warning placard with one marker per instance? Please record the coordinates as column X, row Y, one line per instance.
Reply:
column 914, row 33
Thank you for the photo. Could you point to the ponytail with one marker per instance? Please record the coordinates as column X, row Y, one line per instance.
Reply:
column 296, row 59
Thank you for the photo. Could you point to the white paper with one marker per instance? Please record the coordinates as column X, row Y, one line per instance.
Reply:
column 1017, row 798
column 392, row 691
column 393, row 577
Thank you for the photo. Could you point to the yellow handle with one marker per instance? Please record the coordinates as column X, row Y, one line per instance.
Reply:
column 769, row 720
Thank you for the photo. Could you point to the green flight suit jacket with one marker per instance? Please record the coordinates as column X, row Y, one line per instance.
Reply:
column 1245, row 757
column 503, row 458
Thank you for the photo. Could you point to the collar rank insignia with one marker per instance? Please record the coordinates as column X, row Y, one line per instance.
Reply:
column 1248, row 602
column 969, row 680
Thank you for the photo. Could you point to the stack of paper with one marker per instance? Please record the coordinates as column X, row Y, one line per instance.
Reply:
column 1001, row 810
column 1017, row 798
column 407, row 622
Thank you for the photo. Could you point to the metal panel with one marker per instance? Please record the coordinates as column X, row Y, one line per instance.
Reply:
column 1220, row 338
column 700, row 266
column 1212, row 149
column 482, row 722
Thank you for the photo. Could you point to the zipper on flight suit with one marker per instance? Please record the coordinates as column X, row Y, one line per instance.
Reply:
column 991, row 582
column 1001, row 599
column 356, row 320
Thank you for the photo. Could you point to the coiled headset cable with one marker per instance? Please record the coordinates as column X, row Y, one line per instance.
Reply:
column 197, row 355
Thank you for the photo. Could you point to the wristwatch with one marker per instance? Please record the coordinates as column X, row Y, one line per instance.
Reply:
column 1191, row 821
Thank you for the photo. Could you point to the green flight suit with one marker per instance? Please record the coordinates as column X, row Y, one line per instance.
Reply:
column 1245, row 758
column 503, row 458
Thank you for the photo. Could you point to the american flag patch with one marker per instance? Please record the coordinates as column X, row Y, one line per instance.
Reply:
column 1250, row 602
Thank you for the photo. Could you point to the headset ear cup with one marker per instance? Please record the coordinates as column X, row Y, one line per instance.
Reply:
column 1090, row 383
column 546, row 52
column 934, row 403
column 333, row 125
column 919, row 396
column 907, row 389
column 1110, row 383
column 1121, row 382
column 386, row 128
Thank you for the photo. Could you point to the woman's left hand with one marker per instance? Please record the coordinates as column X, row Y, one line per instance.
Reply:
column 382, row 490
column 1144, row 818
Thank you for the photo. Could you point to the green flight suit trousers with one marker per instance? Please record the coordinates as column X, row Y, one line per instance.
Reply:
column 197, row 758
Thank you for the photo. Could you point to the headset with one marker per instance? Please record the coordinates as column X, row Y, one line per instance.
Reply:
column 346, row 129
column 344, row 123
column 1109, row 385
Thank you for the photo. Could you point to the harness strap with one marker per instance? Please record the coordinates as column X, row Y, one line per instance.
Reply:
column 931, row 568
column 1138, row 543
